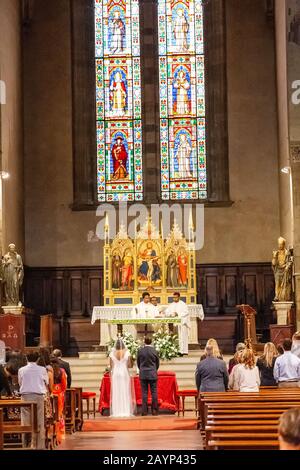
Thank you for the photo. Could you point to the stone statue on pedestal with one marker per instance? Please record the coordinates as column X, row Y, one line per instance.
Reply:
column 282, row 263
column 12, row 276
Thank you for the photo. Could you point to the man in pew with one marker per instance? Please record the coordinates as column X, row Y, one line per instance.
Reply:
column 287, row 367
column 289, row 430
column 33, row 381
column 211, row 373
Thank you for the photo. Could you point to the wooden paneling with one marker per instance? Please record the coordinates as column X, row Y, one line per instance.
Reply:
column 71, row 294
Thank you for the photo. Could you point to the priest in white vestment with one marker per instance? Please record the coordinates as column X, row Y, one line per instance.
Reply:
column 144, row 309
column 180, row 309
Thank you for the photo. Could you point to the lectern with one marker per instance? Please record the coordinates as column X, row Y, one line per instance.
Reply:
column 249, row 325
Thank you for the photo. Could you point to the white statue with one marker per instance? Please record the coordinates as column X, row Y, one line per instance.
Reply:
column 12, row 276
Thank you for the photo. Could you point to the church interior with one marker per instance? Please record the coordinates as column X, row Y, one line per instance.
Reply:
column 187, row 106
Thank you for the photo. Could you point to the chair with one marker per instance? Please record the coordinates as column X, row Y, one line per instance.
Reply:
column 89, row 396
column 182, row 395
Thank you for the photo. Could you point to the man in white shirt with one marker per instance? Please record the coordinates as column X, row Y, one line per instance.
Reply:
column 287, row 367
column 179, row 309
column 144, row 309
column 33, row 381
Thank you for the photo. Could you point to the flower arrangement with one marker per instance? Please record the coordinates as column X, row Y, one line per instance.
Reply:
column 166, row 345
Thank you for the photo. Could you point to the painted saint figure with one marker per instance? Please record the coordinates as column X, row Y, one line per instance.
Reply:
column 182, row 85
column 118, row 96
column 172, row 270
column 180, row 31
column 127, row 270
column 183, row 156
column 120, row 157
column 182, row 268
column 116, row 271
column 118, row 34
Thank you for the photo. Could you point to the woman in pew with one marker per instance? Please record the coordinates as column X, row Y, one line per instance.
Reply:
column 296, row 344
column 212, row 343
column 59, row 388
column 245, row 376
column 266, row 363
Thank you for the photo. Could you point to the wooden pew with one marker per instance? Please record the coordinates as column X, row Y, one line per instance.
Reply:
column 245, row 421
column 70, row 410
column 78, row 409
column 1, row 430
column 259, row 444
column 17, row 427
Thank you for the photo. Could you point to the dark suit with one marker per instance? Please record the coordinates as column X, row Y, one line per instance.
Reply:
column 66, row 366
column 148, row 364
column 211, row 375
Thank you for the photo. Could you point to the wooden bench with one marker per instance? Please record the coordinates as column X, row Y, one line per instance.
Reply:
column 266, row 444
column 234, row 420
column 1, row 430
column 17, row 427
column 70, row 410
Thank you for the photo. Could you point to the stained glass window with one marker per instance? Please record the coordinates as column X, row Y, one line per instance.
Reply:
column 182, row 99
column 118, row 100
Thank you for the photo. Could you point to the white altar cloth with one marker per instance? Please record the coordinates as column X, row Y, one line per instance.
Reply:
column 122, row 312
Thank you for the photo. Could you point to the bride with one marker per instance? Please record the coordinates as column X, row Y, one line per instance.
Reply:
column 122, row 393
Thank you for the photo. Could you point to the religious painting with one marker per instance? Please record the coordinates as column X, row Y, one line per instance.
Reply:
column 127, row 271
column 182, row 99
column 294, row 22
column 117, row 31
column 119, row 156
column 182, row 79
column 118, row 100
column 180, row 28
column 116, row 269
column 149, row 265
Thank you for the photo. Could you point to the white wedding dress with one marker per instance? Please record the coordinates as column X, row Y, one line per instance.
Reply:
column 122, row 399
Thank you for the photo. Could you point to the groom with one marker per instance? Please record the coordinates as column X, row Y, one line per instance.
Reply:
column 148, row 364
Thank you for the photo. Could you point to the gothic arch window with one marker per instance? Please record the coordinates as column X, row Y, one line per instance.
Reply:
column 182, row 99
column 118, row 101
column 160, row 87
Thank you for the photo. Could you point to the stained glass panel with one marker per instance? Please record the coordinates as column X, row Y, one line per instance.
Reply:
column 182, row 99
column 118, row 100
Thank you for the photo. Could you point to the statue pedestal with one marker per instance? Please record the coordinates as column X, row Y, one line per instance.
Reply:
column 13, row 310
column 283, row 310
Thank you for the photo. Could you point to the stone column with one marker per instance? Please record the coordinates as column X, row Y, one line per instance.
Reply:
column 293, row 86
column 286, row 207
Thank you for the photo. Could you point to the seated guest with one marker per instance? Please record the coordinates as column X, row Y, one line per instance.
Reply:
column 296, row 344
column 33, row 381
column 236, row 360
column 64, row 365
column 59, row 388
column 216, row 350
column 5, row 389
column 211, row 373
column 245, row 376
column 289, row 430
column 287, row 367
column 266, row 363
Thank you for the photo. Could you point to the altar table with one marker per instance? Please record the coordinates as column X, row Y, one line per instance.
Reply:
column 166, row 387
column 111, row 316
